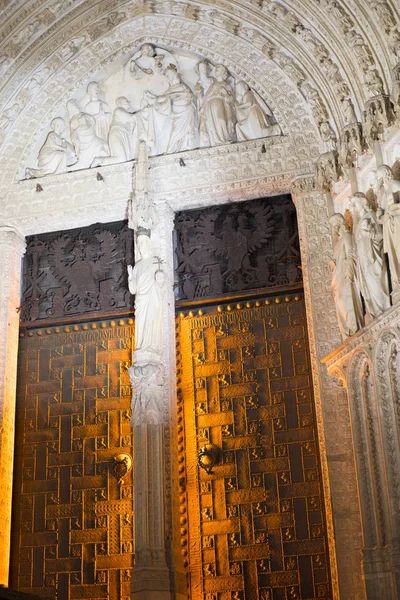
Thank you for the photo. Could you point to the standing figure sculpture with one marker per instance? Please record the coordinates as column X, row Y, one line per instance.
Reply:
column 55, row 154
column 349, row 308
column 146, row 281
column 252, row 120
column 217, row 113
column 179, row 104
column 88, row 146
column 99, row 110
column 388, row 215
column 371, row 266
column 123, row 137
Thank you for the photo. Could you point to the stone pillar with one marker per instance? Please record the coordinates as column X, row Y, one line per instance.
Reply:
column 331, row 402
column 158, row 572
column 12, row 248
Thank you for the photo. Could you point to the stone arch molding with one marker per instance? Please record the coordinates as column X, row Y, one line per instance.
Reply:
column 95, row 61
column 300, row 62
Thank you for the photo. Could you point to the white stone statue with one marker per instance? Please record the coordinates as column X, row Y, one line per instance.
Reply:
column 88, row 146
column 55, row 154
column 178, row 105
column 123, row 136
column 99, row 110
column 217, row 112
column 146, row 281
column 328, row 136
column 203, row 69
column 374, row 82
column 372, row 272
column 254, row 119
column 349, row 113
column 349, row 308
column 146, row 61
column 388, row 215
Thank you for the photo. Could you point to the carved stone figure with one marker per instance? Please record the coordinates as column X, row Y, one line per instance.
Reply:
column 123, row 137
column 252, row 119
column 328, row 136
column 374, row 82
column 147, row 400
column 388, row 215
column 145, row 61
column 371, row 267
column 217, row 114
column 203, row 69
column 344, row 285
column 146, row 280
column 178, row 103
column 99, row 110
column 55, row 154
column 88, row 146
column 348, row 111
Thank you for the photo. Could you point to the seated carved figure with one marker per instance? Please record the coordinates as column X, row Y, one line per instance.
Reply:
column 55, row 154
column 252, row 121
column 88, row 146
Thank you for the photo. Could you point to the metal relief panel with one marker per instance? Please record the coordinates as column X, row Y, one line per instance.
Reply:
column 256, row 527
column 73, row 519
column 75, row 273
column 243, row 246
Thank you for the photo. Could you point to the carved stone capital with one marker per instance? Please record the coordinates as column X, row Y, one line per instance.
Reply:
column 304, row 184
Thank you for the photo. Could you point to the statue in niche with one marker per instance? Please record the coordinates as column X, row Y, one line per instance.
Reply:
column 371, row 266
column 146, row 61
column 123, row 136
column 388, row 215
column 349, row 113
column 146, row 281
column 374, row 82
column 217, row 112
column 349, row 308
column 328, row 136
column 55, row 154
column 253, row 120
column 98, row 109
column 88, row 146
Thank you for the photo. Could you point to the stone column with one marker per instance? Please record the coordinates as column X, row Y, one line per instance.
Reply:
column 158, row 572
column 12, row 248
column 331, row 402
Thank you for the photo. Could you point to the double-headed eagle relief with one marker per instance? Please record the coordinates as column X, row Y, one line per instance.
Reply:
column 173, row 103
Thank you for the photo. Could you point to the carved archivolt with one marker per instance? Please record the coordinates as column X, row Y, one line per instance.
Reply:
column 52, row 50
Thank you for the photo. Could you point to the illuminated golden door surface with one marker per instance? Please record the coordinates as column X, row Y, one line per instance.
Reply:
column 255, row 526
column 73, row 522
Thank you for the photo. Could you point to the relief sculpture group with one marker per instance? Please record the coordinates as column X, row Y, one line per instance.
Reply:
column 166, row 113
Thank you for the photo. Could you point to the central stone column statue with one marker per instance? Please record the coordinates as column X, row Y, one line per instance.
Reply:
column 156, row 575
